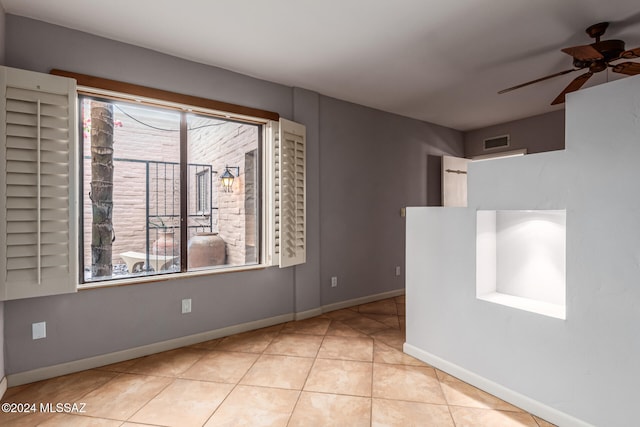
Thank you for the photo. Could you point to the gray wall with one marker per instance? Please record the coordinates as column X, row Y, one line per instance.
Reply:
column 352, row 153
column 306, row 110
column 373, row 164
column 537, row 134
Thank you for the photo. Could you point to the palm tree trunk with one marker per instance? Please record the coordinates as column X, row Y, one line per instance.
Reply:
column 101, row 188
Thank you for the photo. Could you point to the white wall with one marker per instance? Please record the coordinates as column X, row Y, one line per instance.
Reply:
column 579, row 371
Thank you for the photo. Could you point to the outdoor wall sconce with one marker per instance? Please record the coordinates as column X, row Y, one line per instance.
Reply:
column 227, row 178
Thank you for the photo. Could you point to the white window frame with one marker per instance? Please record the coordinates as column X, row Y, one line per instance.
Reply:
column 262, row 263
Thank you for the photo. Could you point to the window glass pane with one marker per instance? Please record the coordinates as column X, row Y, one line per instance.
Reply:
column 223, row 220
column 131, row 211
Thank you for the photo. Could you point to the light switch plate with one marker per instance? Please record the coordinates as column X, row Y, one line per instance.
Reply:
column 39, row 330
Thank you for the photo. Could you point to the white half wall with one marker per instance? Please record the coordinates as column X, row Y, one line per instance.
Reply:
column 584, row 369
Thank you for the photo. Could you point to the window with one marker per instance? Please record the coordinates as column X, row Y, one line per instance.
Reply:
column 143, row 180
column 132, row 200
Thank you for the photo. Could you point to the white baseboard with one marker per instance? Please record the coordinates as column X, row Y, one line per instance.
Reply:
column 530, row 405
column 346, row 304
column 308, row 314
column 120, row 356
column 3, row 387
column 362, row 300
column 132, row 353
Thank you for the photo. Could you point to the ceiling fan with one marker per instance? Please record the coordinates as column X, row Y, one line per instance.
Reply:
column 594, row 57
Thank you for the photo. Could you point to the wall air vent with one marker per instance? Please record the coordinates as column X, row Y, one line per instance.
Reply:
column 496, row 142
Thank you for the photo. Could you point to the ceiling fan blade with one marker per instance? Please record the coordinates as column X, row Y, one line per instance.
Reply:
column 631, row 53
column 539, row 80
column 629, row 68
column 572, row 87
column 583, row 53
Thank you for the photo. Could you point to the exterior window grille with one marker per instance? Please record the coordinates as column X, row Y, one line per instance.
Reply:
column 202, row 192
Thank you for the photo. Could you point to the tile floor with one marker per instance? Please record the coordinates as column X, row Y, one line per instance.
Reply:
column 344, row 368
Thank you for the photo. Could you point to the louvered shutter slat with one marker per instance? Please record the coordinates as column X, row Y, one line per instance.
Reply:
column 38, row 253
column 290, row 197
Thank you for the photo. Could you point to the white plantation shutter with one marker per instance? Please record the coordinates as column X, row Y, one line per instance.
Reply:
column 37, row 215
column 289, row 193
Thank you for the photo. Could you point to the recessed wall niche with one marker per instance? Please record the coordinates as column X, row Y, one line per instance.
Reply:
column 521, row 260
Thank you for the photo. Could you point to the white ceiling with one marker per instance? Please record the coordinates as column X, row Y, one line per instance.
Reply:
column 441, row 61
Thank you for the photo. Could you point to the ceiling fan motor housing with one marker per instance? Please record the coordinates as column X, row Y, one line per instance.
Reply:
column 610, row 49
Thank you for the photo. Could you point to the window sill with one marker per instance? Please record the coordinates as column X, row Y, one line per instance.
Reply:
column 168, row 277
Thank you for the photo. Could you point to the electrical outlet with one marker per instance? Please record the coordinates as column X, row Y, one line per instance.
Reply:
column 398, row 270
column 186, row 305
column 334, row 282
column 39, row 330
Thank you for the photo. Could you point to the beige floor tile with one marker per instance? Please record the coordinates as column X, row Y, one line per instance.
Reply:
column 271, row 370
column 274, row 328
column 412, row 383
column 313, row 326
column 397, row 413
column 385, row 306
column 168, row 363
column 331, row 410
column 365, row 324
column 383, row 353
column 402, row 320
column 138, row 425
column 221, row 366
column 207, row 345
column 255, row 407
column 23, row 420
column 120, row 367
column 543, row 423
column 183, row 403
column 248, row 342
column 392, row 337
column 459, row 393
column 343, row 314
column 14, row 390
column 66, row 420
column 121, row 397
column 341, row 377
column 339, row 329
column 475, row 417
column 295, row 345
column 390, row 320
column 68, row 388
column 347, row 348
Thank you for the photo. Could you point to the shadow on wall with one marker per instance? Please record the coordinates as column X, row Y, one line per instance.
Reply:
column 434, row 180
